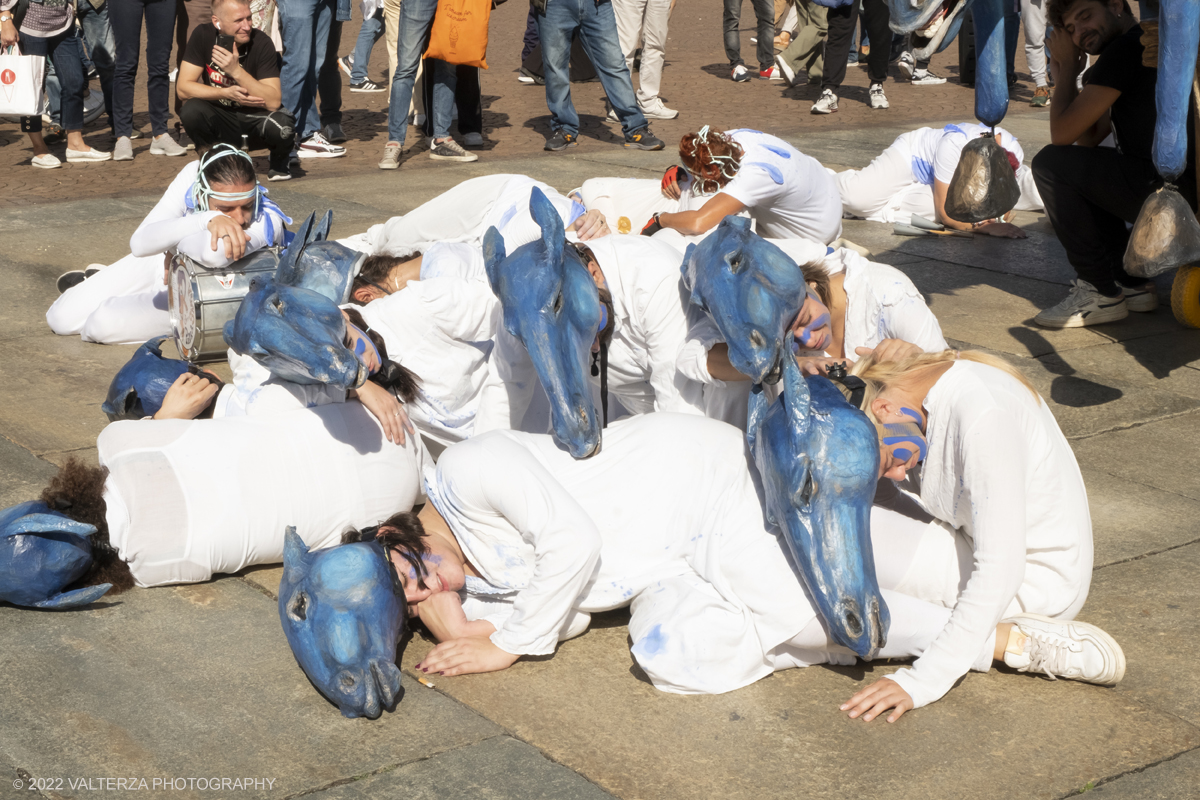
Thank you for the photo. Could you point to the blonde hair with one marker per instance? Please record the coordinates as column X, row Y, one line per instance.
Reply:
column 879, row 375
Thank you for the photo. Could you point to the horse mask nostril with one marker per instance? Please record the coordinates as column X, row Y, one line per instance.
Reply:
column 757, row 339
column 347, row 682
column 853, row 623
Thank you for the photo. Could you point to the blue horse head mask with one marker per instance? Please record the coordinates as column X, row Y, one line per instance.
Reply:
column 817, row 455
column 552, row 305
column 139, row 387
column 313, row 262
column 343, row 617
column 757, row 290
column 41, row 551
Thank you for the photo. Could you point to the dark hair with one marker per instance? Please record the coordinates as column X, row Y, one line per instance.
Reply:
column 815, row 274
column 1056, row 10
column 605, row 334
column 375, row 271
column 401, row 532
column 391, row 375
column 702, row 154
column 78, row 492
column 232, row 170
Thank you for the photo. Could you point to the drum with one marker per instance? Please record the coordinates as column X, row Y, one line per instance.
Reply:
column 202, row 300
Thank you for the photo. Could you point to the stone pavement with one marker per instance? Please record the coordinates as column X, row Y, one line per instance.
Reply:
column 196, row 682
column 516, row 122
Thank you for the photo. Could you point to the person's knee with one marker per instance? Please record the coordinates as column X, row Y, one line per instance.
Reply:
column 279, row 128
column 194, row 115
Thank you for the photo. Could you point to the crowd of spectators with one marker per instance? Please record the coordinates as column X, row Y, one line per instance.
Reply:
column 264, row 74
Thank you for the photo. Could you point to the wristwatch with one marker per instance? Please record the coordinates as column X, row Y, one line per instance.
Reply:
column 6, row 17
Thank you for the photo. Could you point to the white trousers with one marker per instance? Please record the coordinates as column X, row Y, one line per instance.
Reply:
column 124, row 303
column 886, row 191
column 644, row 20
column 1033, row 20
column 628, row 203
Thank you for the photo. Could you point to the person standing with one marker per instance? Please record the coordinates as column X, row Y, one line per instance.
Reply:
column 807, row 50
column 595, row 23
column 1033, row 18
column 189, row 15
column 645, row 21
column 764, row 13
column 126, row 17
column 48, row 29
column 355, row 65
column 842, row 22
column 309, row 66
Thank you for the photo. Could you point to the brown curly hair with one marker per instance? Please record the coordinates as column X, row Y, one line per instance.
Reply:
column 712, row 158
column 78, row 492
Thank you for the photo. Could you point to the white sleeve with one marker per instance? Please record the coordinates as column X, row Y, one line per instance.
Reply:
column 946, row 156
column 565, row 541
column 665, row 332
column 465, row 311
column 910, row 320
column 263, row 232
column 692, row 358
column 169, row 222
column 508, row 388
column 753, row 187
column 991, row 461
column 497, row 611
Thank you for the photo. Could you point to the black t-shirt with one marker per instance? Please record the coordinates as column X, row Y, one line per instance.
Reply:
column 259, row 58
column 1133, row 114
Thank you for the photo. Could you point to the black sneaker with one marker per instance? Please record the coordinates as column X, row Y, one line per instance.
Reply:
column 279, row 175
column 643, row 139
column 367, row 85
column 334, row 133
column 70, row 279
column 560, row 140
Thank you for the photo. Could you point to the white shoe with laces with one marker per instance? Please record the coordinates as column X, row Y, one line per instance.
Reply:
column 1141, row 298
column 924, row 77
column 1083, row 306
column 826, row 103
column 907, row 64
column 1074, row 650
column 878, row 98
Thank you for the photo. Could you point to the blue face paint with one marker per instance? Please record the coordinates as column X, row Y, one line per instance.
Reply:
column 361, row 344
column 603, row 318
column 905, row 433
column 806, row 333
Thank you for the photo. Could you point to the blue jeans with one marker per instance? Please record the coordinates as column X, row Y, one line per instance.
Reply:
column 412, row 39
column 597, row 27
column 64, row 53
column 368, row 35
column 101, row 48
column 309, row 64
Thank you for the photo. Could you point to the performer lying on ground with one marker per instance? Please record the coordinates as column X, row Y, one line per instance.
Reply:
column 521, row 543
column 214, row 212
column 863, row 305
column 788, row 194
column 386, row 274
column 913, row 175
column 642, row 327
column 465, row 212
column 1011, row 536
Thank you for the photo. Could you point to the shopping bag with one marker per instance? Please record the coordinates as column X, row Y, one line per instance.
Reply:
column 460, row 32
column 21, row 79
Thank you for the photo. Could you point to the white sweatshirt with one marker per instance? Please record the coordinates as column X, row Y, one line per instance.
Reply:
column 191, row 498
column 441, row 329
column 174, row 223
column 667, row 516
column 1000, row 470
column 643, row 276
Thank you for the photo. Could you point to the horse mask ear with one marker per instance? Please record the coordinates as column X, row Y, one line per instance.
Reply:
column 295, row 557
column 321, row 231
column 493, row 254
column 285, row 273
column 553, row 233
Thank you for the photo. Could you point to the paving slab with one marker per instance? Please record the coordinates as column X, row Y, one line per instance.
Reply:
column 1130, row 520
column 591, row 709
column 22, row 474
column 1170, row 361
column 1176, row 779
column 1152, row 608
column 195, row 681
column 1158, row 454
column 501, row 768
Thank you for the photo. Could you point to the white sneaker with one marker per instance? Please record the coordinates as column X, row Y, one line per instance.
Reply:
column 907, row 64
column 1141, row 298
column 1075, row 650
column 655, row 109
column 924, row 77
column 878, row 98
column 740, row 74
column 46, row 161
column 164, row 145
column 826, row 103
column 1083, row 306
column 786, row 73
column 317, row 146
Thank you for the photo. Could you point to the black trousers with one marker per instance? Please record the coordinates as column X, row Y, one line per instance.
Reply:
column 209, row 123
column 467, row 99
column 842, row 21
column 1089, row 194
